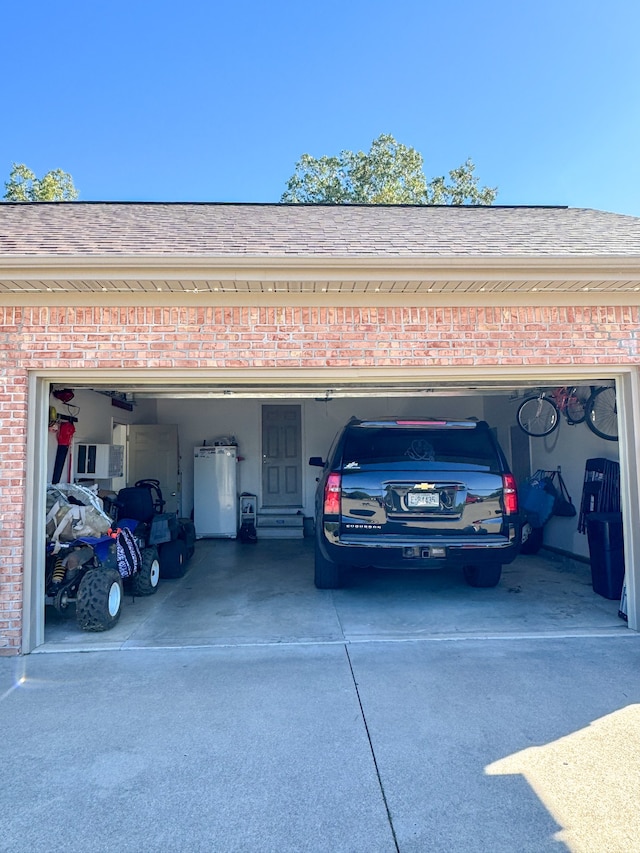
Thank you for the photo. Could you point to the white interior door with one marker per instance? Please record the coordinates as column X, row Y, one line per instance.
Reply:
column 119, row 436
column 281, row 456
column 153, row 455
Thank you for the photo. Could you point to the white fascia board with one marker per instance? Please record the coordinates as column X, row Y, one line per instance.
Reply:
column 333, row 268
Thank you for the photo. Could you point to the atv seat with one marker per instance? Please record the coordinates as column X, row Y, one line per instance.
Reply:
column 143, row 503
column 136, row 502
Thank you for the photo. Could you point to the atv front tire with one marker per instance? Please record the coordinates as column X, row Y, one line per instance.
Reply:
column 145, row 582
column 99, row 600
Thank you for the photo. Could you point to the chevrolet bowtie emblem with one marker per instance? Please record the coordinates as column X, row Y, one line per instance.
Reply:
column 425, row 486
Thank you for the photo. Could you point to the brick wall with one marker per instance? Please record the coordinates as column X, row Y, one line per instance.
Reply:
column 37, row 338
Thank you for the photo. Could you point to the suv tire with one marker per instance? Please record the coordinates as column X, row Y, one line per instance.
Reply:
column 532, row 542
column 327, row 574
column 483, row 576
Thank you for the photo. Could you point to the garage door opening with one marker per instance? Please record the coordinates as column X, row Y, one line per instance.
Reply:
column 215, row 413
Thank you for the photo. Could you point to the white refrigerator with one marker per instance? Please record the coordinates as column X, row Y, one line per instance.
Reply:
column 215, row 498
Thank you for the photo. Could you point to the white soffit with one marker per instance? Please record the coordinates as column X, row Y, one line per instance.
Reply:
column 243, row 276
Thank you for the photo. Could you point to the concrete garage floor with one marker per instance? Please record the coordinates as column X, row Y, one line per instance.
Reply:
column 237, row 594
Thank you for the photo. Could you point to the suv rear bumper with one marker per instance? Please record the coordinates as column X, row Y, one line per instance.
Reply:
column 433, row 553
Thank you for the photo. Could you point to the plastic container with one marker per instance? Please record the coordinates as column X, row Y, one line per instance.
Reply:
column 604, row 531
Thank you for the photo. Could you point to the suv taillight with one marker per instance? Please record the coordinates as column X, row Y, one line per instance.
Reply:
column 332, row 489
column 510, row 494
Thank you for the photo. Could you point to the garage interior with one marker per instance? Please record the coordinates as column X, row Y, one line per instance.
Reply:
column 245, row 593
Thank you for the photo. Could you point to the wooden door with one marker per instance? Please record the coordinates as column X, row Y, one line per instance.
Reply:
column 281, row 456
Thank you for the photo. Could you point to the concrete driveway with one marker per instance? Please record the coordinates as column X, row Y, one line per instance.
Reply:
column 377, row 746
column 240, row 709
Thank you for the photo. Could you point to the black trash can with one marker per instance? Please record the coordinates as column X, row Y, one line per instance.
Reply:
column 604, row 531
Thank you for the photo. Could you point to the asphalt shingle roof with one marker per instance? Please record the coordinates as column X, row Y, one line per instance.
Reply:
column 275, row 230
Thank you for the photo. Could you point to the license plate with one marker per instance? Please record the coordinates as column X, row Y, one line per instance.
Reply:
column 423, row 499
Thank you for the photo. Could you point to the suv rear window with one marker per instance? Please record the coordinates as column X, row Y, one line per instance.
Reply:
column 453, row 448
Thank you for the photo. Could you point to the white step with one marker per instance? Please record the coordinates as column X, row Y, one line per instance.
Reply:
column 280, row 526
column 280, row 533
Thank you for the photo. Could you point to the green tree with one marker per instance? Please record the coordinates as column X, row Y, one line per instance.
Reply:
column 389, row 173
column 23, row 185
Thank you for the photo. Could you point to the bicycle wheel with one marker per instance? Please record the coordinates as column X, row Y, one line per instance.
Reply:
column 602, row 413
column 537, row 416
column 576, row 410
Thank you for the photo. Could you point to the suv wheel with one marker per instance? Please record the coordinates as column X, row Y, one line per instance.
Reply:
column 484, row 576
column 532, row 538
column 327, row 575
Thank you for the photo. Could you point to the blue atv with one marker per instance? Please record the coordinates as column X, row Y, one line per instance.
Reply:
column 171, row 540
column 144, row 544
column 76, row 575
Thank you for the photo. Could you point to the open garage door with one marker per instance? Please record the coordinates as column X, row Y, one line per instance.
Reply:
column 213, row 409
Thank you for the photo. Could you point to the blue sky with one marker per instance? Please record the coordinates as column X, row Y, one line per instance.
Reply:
column 213, row 101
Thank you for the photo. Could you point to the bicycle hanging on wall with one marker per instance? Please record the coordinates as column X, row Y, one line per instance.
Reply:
column 539, row 415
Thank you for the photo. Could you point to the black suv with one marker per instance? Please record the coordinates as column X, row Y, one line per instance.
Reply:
column 415, row 493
